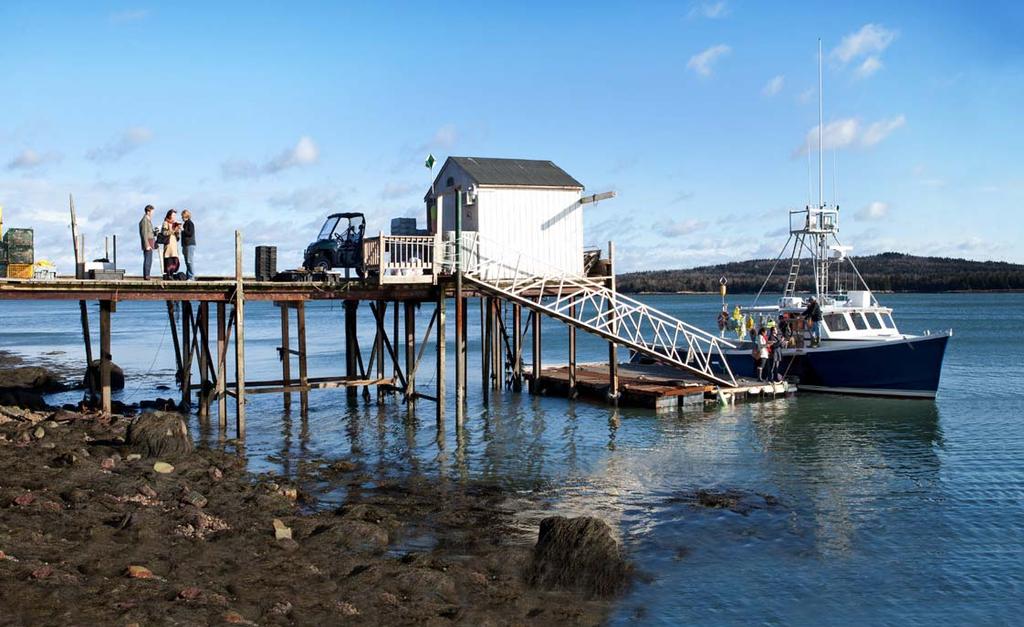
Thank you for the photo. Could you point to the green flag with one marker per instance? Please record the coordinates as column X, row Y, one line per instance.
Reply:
column 430, row 161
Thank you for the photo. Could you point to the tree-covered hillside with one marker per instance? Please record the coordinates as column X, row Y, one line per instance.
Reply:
column 885, row 272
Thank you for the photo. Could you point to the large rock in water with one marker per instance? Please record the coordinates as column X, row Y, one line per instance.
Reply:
column 577, row 554
column 92, row 377
column 160, row 434
column 33, row 378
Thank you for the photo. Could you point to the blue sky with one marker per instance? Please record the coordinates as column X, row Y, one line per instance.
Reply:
column 265, row 116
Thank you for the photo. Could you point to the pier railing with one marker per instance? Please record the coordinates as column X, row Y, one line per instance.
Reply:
column 402, row 258
column 589, row 304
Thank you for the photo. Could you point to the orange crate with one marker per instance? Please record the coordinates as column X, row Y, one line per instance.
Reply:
column 19, row 271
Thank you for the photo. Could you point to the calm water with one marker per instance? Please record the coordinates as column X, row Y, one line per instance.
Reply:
column 890, row 511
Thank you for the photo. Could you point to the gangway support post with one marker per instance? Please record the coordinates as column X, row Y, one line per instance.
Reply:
column 222, row 366
column 106, row 307
column 485, row 349
column 187, row 326
column 537, row 350
column 239, row 341
column 285, row 355
column 300, row 324
column 517, row 347
column 613, row 357
column 410, row 351
column 441, row 366
column 572, row 352
column 351, row 346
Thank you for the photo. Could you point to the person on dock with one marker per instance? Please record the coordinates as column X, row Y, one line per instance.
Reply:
column 813, row 313
column 147, row 235
column 761, row 350
column 169, row 234
column 188, row 243
column 776, row 342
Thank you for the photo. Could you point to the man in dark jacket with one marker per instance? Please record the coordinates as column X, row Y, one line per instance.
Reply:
column 813, row 313
column 148, row 240
column 188, row 243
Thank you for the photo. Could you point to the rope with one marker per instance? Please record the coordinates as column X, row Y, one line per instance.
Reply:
column 152, row 363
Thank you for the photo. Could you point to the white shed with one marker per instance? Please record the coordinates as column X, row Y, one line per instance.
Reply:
column 526, row 205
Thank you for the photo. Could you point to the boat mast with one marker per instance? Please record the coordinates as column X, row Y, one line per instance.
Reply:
column 821, row 284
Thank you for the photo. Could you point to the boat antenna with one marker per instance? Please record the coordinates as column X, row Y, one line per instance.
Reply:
column 821, row 123
column 810, row 186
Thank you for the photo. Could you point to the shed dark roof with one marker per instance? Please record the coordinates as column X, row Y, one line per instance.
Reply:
column 523, row 172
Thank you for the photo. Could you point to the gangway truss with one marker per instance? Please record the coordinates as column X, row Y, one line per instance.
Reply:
column 498, row 270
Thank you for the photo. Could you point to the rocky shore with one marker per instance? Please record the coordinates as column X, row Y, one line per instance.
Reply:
column 99, row 525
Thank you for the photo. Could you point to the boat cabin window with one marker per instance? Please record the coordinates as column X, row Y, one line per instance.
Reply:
column 836, row 322
column 887, row 321
column 858, row 321
column 873, row 320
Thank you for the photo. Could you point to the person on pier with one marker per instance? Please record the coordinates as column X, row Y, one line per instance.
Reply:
column 147, row 235
column 188, row 243
column 169, row 234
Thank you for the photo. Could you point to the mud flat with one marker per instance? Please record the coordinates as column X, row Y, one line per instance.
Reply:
column 91, row 532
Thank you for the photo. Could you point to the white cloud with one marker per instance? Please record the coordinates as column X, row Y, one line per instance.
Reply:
column 673, row 228
column 871, row 39
column 702, row 61
column 392, row 191
column 806, row 95
column 850, row 133
column 877, row 131
column 304, row 153
column 709, row 10
column 307, row 199
column 773, row 86
column 873, row 211
column 870, row 65
column 29, row 159
column 130, row 140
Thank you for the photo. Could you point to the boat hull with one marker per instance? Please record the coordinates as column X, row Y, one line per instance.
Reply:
column 908, row 367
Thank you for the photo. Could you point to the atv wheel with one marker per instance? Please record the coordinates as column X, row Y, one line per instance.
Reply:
column 320, row 265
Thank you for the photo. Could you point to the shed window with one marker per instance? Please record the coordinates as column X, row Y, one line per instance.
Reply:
column 873, row 321
column 450, row 182
column 858, row 321
column 836, row 322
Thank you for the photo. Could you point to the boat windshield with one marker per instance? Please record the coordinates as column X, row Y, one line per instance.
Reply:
column 887, row 321
column 328, row 228
column 836, row 322
column 873, row 321
column 858, row 321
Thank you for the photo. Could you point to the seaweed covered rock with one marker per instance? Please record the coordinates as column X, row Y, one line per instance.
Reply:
column 577, row 554
column 34, row 378
column 92, row 377
column 160, row 434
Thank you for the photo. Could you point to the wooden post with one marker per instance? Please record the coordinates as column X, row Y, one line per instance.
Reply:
column 613, row 357
column 351, row 349
column 572, row 350
column 537, row 361
column 378, row 346
column 222, row 366
column 441, row 365
column 204, row 365
column 517, row 348
column 90, row 379
column 187, row 321
column 395, row 334
column 485, row 349
column 300, row 315
column 286, row 355
column 497, row 375
column 239, row 340
column 460, row 317
column 106, row 307
column 410, row 351
column 174, row 338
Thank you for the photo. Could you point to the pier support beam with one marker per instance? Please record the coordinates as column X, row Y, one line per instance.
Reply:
column 86, row 336
column 286, row 356
column 351, row 346
column 187, row 326
column 239, row 340
column 300, row 323
column 572, row 352
column 517, row 348
column 106, row 307
column 613, row 357
column 378, row 346
column 441, row 365
column 222, row 366
column 497, row 374
column 537, row 350
column 410, row 351
column 204, row 359
column 485, row 349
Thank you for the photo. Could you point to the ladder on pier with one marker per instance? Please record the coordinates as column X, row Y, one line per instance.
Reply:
column 589, row 305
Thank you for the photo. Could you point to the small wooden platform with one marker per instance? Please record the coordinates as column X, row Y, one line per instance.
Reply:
column 654, row 386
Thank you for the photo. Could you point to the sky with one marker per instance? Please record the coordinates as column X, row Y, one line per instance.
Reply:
column 266, row 116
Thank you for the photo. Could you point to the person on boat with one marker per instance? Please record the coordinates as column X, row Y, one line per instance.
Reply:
column 723, row 321
column 775, row 345
column 760, row 352
column 813, row 313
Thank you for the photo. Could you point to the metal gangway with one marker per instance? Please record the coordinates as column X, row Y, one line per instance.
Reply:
column 588, row 304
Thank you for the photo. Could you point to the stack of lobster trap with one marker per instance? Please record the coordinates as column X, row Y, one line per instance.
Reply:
column 17, row 254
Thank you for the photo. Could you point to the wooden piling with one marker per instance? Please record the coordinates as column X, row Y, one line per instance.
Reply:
column 441, row 365
column 485, row 349
column 351, row 346
column 613, row 357
column 517, row 348
column 497, row 374
column 572, row 351
column 286, row 355
column 172, row 320
column 239, row 340
column 106, row 307
column 222, row 369
column 378, row 346
column 86, row 336
column 300, row 323
column 204, row 363
column 537, row 350
column 410, row 350
column 187, row 324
